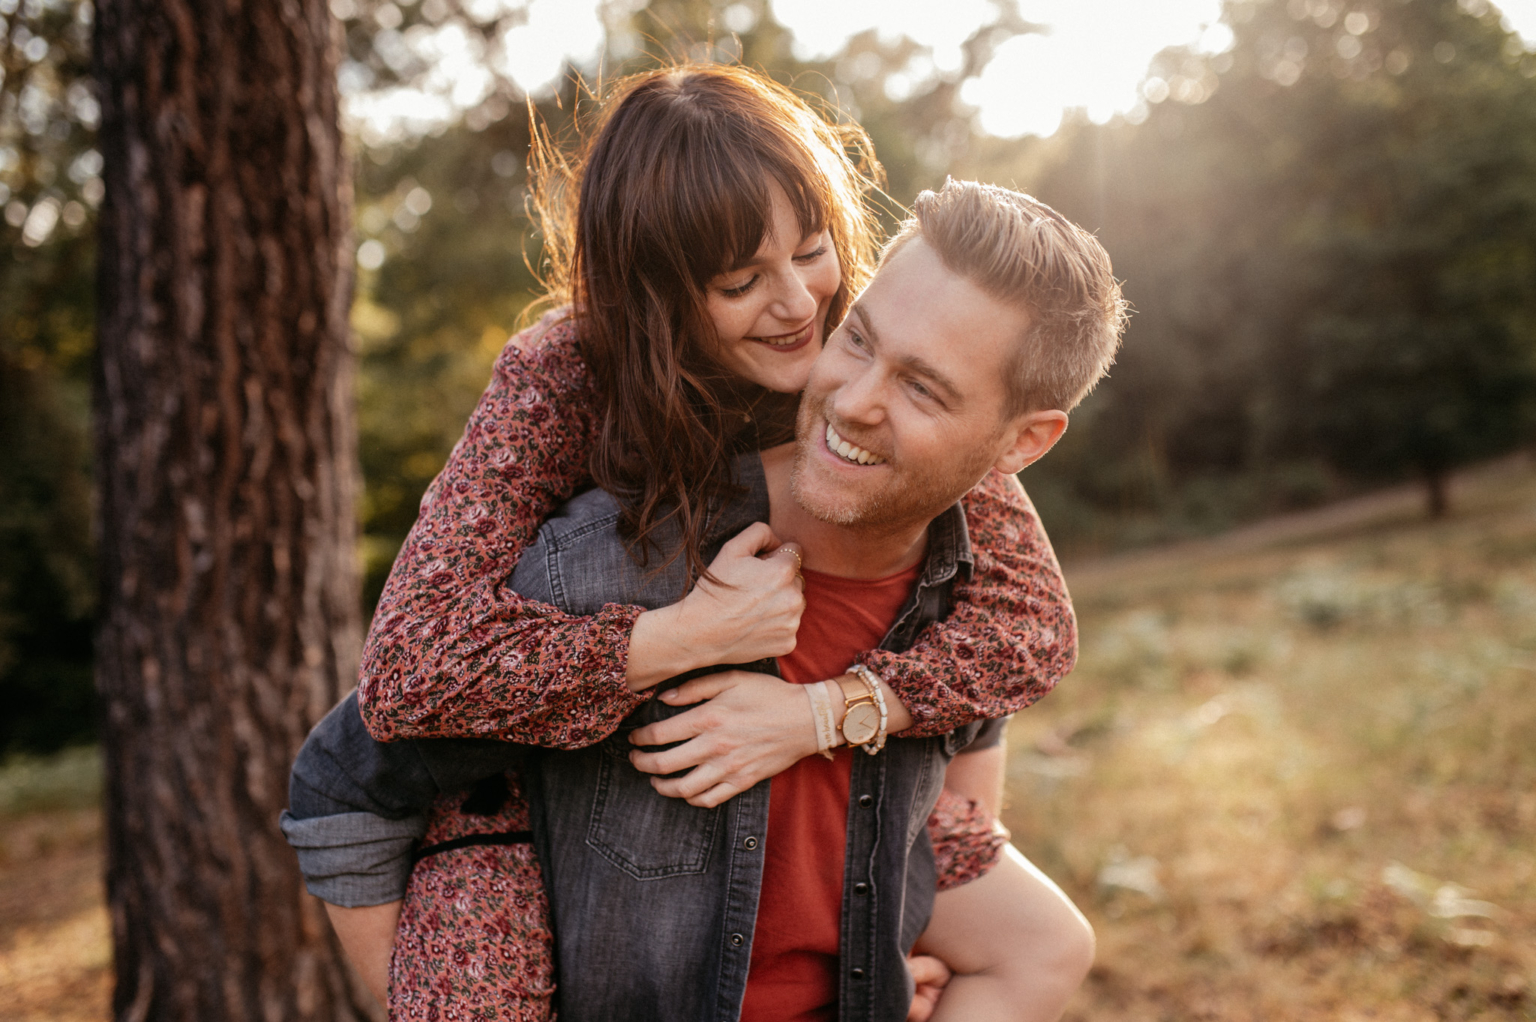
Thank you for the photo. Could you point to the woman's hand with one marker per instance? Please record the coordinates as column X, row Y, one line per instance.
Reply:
column 752, row 726
column 754, row 614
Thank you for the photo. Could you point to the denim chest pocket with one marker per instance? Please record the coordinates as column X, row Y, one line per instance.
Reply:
column 647, row 835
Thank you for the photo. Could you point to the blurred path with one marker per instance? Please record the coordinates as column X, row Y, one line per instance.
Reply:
column 1397, row 505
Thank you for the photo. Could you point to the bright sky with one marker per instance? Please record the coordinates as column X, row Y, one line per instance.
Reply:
column 1093, row 57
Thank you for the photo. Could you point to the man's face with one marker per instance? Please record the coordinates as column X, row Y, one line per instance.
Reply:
column 904, row 409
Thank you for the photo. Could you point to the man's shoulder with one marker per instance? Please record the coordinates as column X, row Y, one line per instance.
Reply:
column 579, row 561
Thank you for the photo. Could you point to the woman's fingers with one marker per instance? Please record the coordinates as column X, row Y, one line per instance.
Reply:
column 793, row 551
column 692, row 784
column 700, row 787
column 696, row 690
column 751, row 541
column 669, row 761
column 718, row 795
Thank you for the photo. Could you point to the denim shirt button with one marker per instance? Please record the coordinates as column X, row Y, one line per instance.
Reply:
column 865, row 801
column 857, row 973
column 750, row 843
column 861, row 888
column 737, row 940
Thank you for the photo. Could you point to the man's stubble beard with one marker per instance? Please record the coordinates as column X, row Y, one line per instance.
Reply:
column 907, row 498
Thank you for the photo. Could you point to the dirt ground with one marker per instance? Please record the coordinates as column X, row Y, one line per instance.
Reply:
column 55, row 938
column 1293, row 777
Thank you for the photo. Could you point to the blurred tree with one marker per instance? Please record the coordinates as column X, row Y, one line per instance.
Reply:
column 1417, row 256
column 49, row 188
column 224, row 438
column 1329, row 232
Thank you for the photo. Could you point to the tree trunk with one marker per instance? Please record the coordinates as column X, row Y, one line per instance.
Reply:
column 226, row 464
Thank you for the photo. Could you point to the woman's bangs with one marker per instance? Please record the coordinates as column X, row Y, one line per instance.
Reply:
column 722, row 211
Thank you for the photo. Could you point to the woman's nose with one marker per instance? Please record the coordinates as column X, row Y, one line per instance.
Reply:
column 793, row 301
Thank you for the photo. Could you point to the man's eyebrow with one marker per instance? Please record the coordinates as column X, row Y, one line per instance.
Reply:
column 914, row 363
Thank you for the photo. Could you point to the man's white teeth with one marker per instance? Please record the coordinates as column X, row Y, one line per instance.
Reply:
column 851, row 452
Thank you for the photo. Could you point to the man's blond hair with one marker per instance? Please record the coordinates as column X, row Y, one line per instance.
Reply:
column 1024, row 253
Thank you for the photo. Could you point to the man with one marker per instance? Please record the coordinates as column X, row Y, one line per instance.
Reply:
column 990, row 318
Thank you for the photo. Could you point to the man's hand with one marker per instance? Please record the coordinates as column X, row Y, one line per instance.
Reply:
column 753, row 614
column 752, row 726
column 931, row 976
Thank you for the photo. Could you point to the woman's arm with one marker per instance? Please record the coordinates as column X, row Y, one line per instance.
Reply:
column 452, row 650
column 1011, row 635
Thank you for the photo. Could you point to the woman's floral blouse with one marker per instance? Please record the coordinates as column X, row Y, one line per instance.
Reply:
column 454, row 652
column 474, row 939
column 967, row 840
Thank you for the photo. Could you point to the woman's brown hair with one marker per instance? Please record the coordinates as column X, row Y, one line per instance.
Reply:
column 674, row 188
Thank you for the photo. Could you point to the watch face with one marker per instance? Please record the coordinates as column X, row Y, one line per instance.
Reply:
column 861, row 724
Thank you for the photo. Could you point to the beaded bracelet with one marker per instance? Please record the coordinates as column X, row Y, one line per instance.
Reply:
column 871, row 681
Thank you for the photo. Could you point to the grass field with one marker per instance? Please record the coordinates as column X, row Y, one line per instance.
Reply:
column 1294, row 777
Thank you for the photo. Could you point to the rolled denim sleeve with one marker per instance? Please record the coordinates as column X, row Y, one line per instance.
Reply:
column 354, row 859
column 357, row 807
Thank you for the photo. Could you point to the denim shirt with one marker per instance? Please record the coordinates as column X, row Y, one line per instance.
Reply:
column 654, row 900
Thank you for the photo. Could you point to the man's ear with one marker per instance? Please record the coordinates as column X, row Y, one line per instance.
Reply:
column 1031, row 436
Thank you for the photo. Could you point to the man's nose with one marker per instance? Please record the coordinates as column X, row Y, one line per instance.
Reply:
column 860, row 398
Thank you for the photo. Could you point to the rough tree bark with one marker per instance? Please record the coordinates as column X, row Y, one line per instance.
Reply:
column 226, row 460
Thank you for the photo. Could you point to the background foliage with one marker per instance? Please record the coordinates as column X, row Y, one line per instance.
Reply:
column 1328, row 233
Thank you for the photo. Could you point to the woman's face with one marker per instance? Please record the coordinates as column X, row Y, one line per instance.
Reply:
column 770, row 312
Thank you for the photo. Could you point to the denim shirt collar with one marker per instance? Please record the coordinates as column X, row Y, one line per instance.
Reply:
column 949, row 541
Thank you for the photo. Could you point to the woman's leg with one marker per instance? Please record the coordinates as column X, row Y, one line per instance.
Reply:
column 1017, row 945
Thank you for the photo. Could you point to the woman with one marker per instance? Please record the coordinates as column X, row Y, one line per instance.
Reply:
column 694, row 326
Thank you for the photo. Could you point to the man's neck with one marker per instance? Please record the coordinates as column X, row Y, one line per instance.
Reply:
column 847, row 551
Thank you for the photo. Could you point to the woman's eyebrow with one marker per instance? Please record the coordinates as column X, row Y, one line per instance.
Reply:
column 753, row 260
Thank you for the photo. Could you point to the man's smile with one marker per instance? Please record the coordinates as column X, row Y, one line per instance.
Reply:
column 850, row 452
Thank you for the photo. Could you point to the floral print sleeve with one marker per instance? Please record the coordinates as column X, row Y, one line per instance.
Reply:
column 1011, row 635
column 452, row 650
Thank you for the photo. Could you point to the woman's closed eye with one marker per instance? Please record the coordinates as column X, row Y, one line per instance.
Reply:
column 737, row 290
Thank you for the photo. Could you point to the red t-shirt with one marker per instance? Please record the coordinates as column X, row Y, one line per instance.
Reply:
column 793, row 972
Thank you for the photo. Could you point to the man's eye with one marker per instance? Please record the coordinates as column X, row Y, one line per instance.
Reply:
column 920, row 390
column 740, row 289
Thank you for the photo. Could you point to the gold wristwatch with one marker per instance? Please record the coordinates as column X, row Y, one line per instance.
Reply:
column 861, row 718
